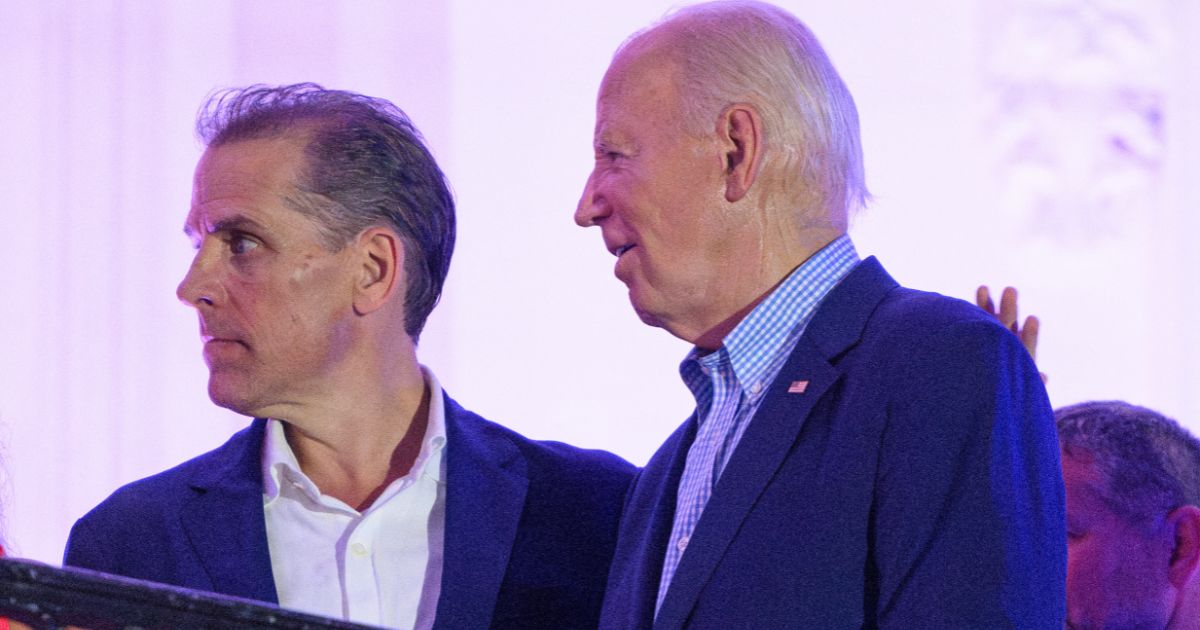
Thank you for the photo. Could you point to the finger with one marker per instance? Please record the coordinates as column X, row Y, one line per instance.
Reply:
column 983, row 298
column 1008, row 308
column 1029, row 335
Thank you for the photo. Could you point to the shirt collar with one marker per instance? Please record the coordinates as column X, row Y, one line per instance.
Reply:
column 754, row 348
column 279, row 463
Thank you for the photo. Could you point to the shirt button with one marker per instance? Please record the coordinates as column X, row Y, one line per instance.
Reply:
column 756, row 388
column 358, row 549
column 682, row 544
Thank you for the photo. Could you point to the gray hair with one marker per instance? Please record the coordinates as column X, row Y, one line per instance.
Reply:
column 744, row 51
column 367, row 166
column 1151, row 465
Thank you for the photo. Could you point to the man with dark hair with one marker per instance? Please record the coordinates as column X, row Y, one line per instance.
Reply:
column 1133, row 518
column 861, row 454
column 323, row 231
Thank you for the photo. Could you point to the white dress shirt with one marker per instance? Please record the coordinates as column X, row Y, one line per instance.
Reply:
column 382, row 566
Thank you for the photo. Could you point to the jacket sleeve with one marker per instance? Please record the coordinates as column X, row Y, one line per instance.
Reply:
column 86, row 550
column 968, row 519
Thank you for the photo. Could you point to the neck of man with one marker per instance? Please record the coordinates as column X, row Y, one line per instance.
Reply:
column 752, row 286
column 367, row 431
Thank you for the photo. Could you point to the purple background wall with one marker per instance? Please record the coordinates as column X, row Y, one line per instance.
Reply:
column 1049, row 145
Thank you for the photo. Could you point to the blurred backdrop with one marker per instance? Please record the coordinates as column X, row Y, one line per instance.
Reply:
column 1049, row 144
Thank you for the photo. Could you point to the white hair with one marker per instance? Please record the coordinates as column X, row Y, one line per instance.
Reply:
column 743, row 51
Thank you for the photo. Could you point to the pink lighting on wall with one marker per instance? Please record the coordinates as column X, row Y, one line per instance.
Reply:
column 1050, row 146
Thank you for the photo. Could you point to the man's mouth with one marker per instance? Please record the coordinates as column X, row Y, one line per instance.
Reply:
column 222, row 350
column 219, row 345
column 220, row 336
column 620, row 251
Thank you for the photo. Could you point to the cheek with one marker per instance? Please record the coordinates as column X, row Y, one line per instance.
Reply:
column 318, row 295
column 1109, row 578
column 245, row 294
column 1082, row 578
column 279, row 308
column 1086, row 601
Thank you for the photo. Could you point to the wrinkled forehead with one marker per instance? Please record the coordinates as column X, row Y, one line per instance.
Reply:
column 1089, row 486
column 276, row 162
column 1080, row 468
column 1085, row 490
column 242, row 177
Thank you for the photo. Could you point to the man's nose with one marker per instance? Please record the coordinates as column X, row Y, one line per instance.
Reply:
column 590, row 208
column 198, row 285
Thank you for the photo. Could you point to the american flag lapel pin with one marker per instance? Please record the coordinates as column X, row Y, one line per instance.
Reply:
column 797, row 387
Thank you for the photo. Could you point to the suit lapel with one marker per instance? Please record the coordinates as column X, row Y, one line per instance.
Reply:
column 485, row 495
column 224, row 520
column 805, row 377
column 761, row 451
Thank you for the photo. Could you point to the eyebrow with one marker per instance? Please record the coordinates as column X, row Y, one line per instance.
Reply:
column 604, row 144
column 605, row 139
column 227, row 224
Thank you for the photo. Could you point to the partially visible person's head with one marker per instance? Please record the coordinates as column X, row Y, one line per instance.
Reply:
column 323, row 229
column 365, row 164
column 726, row 145
column 1132, row 480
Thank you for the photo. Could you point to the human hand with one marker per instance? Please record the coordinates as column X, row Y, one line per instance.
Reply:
column 1027, row 333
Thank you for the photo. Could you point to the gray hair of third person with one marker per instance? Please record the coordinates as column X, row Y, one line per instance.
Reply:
column 367, row 166
column 743, row 51
column 1150, row 464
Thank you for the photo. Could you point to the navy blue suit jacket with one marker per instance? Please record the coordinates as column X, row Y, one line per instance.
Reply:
column 530, row 527
column 913, row 483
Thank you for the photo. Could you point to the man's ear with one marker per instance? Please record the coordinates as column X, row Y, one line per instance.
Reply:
column 1185, row 556
column 381, row 261
column 740, row 132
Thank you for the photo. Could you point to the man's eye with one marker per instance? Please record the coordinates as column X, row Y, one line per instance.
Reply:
column 607, row 155
column 240, row 244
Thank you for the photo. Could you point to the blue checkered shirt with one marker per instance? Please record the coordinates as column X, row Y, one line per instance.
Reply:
column 728, row 383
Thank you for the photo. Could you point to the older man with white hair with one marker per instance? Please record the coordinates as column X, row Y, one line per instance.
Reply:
column 861, row 454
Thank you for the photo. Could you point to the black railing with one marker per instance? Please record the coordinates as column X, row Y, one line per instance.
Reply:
column 43, row 596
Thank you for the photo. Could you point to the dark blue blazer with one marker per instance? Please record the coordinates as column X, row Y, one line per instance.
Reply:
column 530, row 527
column 901, row 472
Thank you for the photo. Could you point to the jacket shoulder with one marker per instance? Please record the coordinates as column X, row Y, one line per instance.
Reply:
column 905, row 306
column 567, row 464
column 163, row 489
column 146, row 511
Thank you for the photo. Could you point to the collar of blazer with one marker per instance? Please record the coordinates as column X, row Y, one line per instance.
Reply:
column 485, row 495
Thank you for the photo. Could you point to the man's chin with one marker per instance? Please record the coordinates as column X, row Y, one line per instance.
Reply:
column 657, row 319
column 644, row 313
column 648, row 318
column 233, row 398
